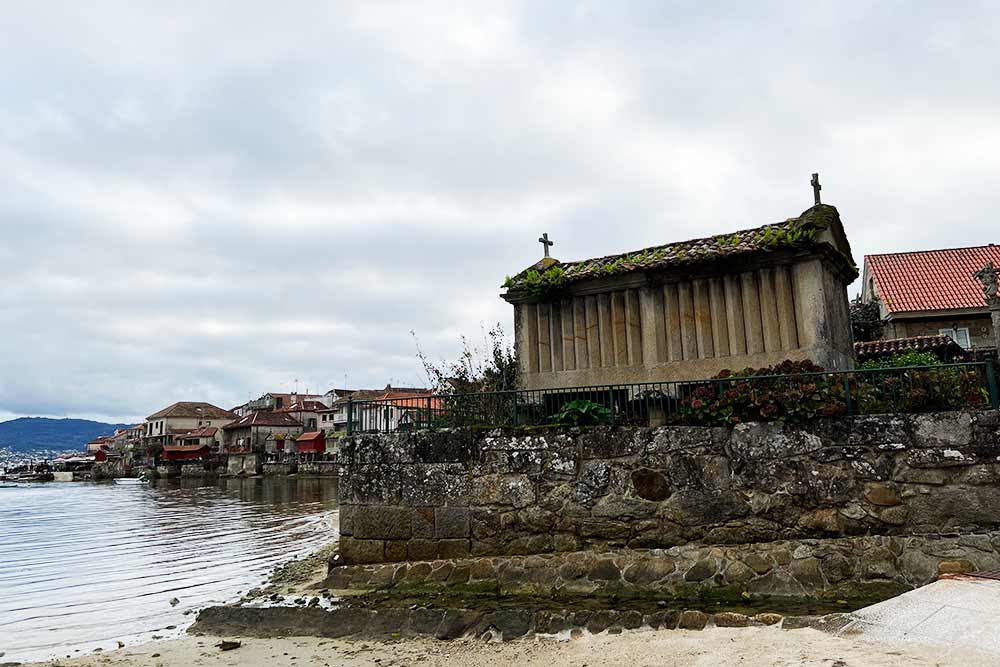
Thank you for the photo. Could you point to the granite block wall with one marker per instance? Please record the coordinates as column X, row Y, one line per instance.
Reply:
column 458, row 493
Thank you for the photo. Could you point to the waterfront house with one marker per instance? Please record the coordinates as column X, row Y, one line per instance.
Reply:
column 194, row 445
column 933, row 292
column 334, row 419
column 690, row 309
column 396, row 410
column 98, row 444
column 273, row 401
column 254, row 432
column 306, row 412
column 164, row 426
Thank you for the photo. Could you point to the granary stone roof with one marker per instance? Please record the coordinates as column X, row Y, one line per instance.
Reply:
column 807, row 231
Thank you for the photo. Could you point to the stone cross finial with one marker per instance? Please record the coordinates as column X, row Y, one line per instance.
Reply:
column 816, row 188
column 987, row 276
column 544, row 240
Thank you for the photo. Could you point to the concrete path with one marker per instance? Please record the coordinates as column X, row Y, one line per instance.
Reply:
column 957, row 617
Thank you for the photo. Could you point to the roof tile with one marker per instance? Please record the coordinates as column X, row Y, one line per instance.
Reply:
column 931, row 279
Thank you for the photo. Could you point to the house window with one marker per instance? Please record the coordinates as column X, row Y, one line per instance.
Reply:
column 959, row 334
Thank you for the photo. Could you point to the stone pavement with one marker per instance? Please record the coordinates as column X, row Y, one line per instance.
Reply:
column 958, row 617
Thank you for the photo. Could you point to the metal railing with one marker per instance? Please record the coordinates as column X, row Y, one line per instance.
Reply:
column 717, row 401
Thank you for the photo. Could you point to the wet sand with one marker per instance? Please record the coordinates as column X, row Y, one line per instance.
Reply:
column 718, row 647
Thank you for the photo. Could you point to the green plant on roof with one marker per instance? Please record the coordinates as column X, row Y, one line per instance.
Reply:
column 538, row 283
column 774, row 237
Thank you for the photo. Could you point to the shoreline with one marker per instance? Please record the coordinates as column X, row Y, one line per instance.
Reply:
column 755, row 646
column 717, row 647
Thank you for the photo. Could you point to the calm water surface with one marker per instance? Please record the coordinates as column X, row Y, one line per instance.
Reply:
column 84, row 565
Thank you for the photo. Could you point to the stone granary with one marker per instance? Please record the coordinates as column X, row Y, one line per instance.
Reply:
column 688, row 310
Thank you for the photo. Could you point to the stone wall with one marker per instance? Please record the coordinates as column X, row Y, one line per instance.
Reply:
column 243, row 464
column 452, row 494
column 849, row 568
column 319, row 468
column 188, row 470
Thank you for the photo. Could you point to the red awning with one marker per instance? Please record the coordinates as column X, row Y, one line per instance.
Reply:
column 315, row 443
column 184, row 452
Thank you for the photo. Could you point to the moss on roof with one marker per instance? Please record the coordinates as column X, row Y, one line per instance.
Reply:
column 801, row 232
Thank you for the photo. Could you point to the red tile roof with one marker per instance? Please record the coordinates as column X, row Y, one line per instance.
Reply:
column 885, row 348
column 192, row 409
column 203, row 432
column 263, row 419
column 310, row 435
column 931, row 279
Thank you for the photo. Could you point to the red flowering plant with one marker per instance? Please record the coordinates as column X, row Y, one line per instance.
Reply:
column 792, row 391
column 801, row 391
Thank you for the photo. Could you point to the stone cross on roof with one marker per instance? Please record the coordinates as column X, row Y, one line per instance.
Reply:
column 816, row 188
column 544, row 240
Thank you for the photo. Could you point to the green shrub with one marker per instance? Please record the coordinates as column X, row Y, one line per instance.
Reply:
column 903, row 359
column 798, row 392
column 583, row 413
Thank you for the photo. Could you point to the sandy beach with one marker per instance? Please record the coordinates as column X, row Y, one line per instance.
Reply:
column 720, row 647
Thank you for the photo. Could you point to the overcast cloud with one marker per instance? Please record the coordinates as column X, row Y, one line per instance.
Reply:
column 203, row 201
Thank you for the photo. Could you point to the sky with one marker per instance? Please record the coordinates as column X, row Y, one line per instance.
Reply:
column 209, row 201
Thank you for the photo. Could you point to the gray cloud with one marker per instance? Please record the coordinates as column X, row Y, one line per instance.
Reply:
column 202, row 202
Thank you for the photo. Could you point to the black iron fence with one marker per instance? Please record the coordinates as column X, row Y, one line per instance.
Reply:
column 728, row 400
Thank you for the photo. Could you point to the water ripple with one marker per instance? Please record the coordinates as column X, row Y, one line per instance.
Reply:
column 83, row 565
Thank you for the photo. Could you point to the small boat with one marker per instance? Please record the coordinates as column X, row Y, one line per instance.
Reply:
column 8, row 485
column 131, row 481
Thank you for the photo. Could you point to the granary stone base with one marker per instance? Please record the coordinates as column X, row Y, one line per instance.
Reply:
column 851, row 567
column 454, row 494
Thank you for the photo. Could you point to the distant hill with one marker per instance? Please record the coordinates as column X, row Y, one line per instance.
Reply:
column 33, row 433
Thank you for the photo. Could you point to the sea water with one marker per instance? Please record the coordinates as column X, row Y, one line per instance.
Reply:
column 86, row 565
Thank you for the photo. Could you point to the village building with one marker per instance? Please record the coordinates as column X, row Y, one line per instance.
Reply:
column 335, row 418
column 99, row 444
column 261, row 432
column 180, row 418
column 272, row 401
column 396, row 410
column 306, row 412
column 688, row 310
column 933, row 292
column 196, row 444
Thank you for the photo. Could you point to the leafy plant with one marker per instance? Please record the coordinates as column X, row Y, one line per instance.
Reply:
column 535, row 282
column 903, row 360
column 866, row 319
column 489, row 367
column 798, row 392
column 583, row 413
